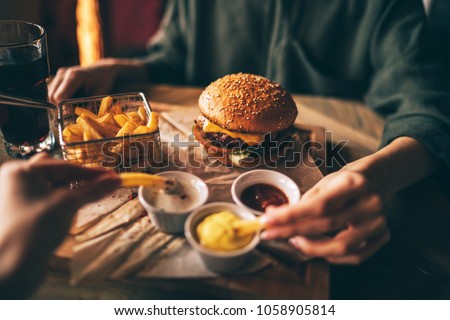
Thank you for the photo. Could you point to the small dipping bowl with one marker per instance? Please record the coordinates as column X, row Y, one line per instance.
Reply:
column 269, row 177
column 223, row 262
column 173, row 221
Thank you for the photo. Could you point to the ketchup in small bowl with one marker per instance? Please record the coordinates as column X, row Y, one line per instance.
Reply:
column 260, row 196
column 258, row 189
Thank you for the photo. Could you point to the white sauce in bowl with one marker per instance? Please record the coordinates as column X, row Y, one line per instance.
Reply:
column 183, row 201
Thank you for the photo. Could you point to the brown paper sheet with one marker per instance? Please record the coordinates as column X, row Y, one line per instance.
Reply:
column 122, row 216
column 86, row 252
column 94, row 212
column 157, row 255
column 103, row 264
column 180, row 257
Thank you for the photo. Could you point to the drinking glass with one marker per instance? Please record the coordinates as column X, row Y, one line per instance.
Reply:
column 24, row 70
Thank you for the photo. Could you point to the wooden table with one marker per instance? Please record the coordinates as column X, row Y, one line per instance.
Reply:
column 425, row 237
column 283, row 280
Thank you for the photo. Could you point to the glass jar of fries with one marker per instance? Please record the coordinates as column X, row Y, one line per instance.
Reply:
column 118, row 131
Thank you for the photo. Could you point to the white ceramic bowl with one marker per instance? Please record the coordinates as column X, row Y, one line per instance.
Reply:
column 219, row 261
column 276, row 179
column 173, row 222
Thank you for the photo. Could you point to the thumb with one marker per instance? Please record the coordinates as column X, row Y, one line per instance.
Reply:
column 97, row 188
column 92, row 190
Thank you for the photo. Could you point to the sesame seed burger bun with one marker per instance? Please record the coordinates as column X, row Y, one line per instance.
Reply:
column 248, row 103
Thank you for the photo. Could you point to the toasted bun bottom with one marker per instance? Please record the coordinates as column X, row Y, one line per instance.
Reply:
column 256, row 160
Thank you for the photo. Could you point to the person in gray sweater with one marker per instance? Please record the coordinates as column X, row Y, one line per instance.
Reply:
column 376, row 51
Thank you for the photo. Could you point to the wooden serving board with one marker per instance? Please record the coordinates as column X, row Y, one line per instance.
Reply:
column 283, row 279
column 64, row 253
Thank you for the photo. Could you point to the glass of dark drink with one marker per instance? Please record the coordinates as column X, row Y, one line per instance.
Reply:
column 24, row 70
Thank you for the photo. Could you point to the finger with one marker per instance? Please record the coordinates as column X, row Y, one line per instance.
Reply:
column 363, row 253
column 286, row 214
column 62, row 173
column 364, row 209
column 69, row 85
column 89, row 192
column 336, row 191
column 359, row 234
column 333, row 194
column 96, row 189
column 39, row 157
column 55, row 83
column 311, row 192
column 344, row 243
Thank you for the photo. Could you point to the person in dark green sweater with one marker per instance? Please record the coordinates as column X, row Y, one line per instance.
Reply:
column 376, row 51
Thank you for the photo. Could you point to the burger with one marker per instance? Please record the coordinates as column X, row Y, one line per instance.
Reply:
column 245, row 119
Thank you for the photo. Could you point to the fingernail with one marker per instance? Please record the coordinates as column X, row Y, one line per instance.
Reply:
column 264, row 235
column 295, row 242
column 264, row 220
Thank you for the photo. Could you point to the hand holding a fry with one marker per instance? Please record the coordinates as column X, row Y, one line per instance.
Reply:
column 36, row 209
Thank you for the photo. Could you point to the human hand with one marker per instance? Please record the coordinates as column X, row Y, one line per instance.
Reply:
column 97, row 79
column 342, row 202
column 93, row 80
column 36, row 209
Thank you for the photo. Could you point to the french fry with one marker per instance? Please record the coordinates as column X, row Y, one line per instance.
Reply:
column 75, row 129
column 111, row 121
column 143, row 114
column 98, row 127
column 134, row 116
column 73, row 138
column 75, row 154
column 116, row 109
column 92, row 164
column 93, row 155
column 87, row 127
column 87, row 135
column 110, row 156
column 128, row 150
column 141, row 130
column 117, row 149
column 152, row 123
column 128, row 128
column 244, row 228
column 79, row 111
column 121, row 119
column 105, row 105
column 73, row 133
column 113, row 128
column 142, row 179
column 133, row 150
column 107, row 118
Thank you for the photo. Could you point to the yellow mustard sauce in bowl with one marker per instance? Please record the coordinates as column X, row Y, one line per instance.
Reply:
column 216, row 232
